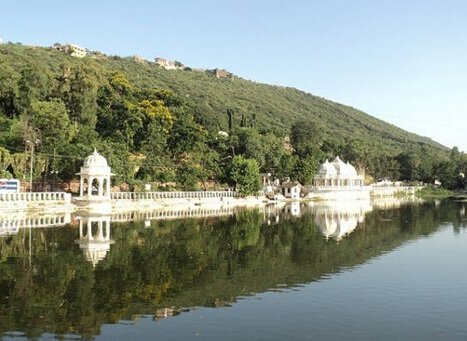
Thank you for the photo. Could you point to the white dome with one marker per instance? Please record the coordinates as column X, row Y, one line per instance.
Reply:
column 352, row 171
column 95, row 160
column 339, row 165
column 344, row 170
column 326, row 170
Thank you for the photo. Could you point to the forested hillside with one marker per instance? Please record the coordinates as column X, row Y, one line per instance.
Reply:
column 163, row 125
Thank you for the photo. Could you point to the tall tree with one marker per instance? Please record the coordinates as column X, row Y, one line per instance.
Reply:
column 244, row 175
column 50, row 119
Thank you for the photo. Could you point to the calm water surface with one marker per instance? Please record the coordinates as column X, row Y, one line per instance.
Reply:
column 349, row 271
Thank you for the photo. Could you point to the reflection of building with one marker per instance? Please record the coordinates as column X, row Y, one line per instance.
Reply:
column 293, row 208
column 338, row 219
column 338, row 180
column 94, row 237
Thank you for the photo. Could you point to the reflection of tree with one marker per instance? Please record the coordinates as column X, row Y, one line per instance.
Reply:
column 185, row 263
column 245, row 232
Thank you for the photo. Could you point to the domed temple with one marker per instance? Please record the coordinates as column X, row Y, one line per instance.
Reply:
column 338, row 180
column 95, row 177
column 337, row 174
column 94, row 184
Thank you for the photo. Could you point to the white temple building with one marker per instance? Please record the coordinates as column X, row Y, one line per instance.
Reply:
column 338, row 180
column 94, row 184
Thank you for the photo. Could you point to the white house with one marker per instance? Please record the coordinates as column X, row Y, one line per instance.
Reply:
column 291, row 190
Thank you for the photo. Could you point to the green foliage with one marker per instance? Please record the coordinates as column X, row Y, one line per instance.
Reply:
column 435, row 193
column 161, row 120
column 51, row 121
column 244, row 175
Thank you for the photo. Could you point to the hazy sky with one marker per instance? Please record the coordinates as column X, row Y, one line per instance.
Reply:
column 404, row 61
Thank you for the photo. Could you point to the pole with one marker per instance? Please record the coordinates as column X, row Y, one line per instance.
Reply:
column 31, row 166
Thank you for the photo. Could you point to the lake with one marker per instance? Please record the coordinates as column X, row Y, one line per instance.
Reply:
column 354, row 271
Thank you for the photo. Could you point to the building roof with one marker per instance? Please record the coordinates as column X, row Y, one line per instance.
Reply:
column 326, row 170
column 291, row 184
column 337, row 169
column 95, row 160
column 95, row 164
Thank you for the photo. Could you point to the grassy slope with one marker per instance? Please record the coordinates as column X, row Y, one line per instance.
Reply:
column 275, row 107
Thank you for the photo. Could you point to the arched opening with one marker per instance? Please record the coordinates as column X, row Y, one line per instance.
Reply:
column 85, row 185
column 95, row 187
column 94, row 230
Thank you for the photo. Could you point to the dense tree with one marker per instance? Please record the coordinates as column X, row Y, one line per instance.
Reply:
column 151, row 132
column 244, row 175
column 51, row 121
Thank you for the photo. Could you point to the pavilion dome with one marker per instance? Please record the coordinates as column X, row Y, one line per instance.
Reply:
column 351, row 170
column 95, row 160
column 344, row 170
column 326, row 170
column 340, row 166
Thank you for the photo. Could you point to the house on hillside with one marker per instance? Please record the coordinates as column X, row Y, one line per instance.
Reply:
column 72, row 49
column 168, row 64
column 221, row 73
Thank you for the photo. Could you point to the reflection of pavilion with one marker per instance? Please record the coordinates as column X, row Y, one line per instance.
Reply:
column 94, row 237
column 338, row 219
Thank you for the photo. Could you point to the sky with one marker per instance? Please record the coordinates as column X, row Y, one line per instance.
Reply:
column 403, row 61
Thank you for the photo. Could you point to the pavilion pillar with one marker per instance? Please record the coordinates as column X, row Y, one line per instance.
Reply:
column 90, row 181
column 100, row 186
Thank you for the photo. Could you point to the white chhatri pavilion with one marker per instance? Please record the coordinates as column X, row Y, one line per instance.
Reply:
column 95, row 176
column 337, row 174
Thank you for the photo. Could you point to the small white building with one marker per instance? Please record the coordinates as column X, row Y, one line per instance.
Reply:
column 167, row 64
column 291, row 190
column 72, row 49
column 94, row 184
column 77, row 51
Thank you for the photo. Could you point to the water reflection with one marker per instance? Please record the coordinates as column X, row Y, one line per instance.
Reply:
column 12, row 222
column 140, row 263
column 338, row 219
column 94, row 237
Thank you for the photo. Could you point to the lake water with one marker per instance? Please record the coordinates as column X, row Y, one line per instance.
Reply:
column 353, row 271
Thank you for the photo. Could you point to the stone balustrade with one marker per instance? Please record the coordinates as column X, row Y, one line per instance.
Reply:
column 172, row 195
column 35, row 197
column 393, row 190
column 14, row 223
column 172, row 214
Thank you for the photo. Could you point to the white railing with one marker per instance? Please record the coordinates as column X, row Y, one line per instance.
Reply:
column 172, row 195
column 14, row 223
column 171, row 214
column 391, row 190
column 35, row 196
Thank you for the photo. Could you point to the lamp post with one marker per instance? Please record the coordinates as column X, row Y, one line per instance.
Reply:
column 54, row 179
column 37, row 141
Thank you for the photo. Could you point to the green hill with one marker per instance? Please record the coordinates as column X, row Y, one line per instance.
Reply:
column 101, row 110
